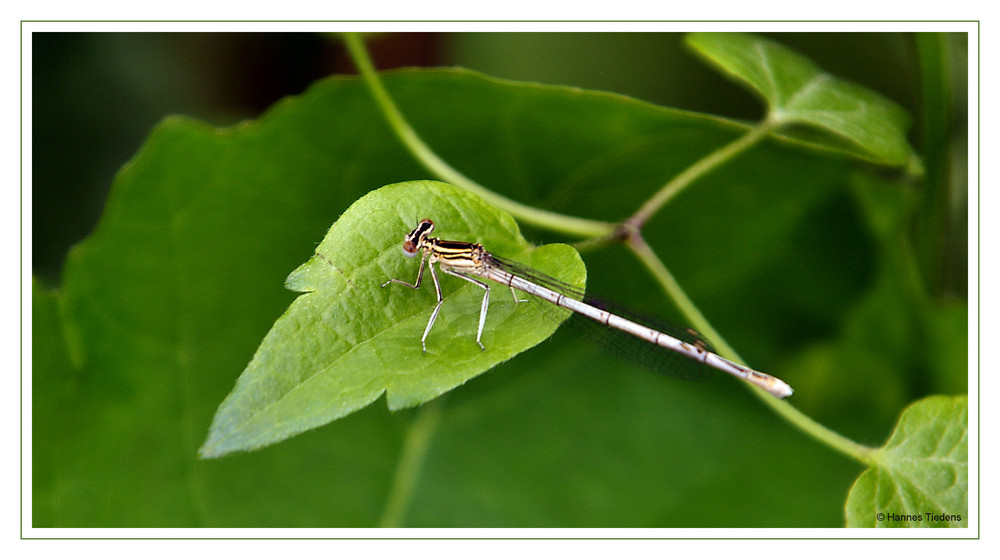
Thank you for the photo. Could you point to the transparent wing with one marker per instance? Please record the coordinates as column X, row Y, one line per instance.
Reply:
column 618, row 343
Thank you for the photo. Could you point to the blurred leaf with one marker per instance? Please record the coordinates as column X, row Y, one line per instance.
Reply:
column 347, row 340
column 945, row 191
column 51, row 390
column 920, row 478
column 895, row 342
column 168, row 299
column 799, row 92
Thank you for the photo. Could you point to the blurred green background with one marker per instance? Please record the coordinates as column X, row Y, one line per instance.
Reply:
column 96, row 98
column 97, row 95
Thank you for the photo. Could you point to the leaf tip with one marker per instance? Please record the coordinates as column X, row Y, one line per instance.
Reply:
column 210, row 449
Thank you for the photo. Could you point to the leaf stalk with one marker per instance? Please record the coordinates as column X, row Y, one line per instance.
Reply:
column 597, row 232
column 432, row 162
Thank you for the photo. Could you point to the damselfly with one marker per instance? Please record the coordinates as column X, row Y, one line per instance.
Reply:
column 468, row 260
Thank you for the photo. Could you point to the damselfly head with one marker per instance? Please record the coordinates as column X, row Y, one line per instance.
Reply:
column 415, row 239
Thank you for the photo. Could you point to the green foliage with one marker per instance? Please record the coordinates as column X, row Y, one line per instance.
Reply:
column 347, row 340
column 166, row 302
column 920, row 478
column 52, row 389
column 799, row 92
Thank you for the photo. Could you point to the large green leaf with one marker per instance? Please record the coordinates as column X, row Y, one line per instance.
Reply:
column 52, row 387
column 347, row 339
column 799, row 92
column 166, row 302
column 920, row 477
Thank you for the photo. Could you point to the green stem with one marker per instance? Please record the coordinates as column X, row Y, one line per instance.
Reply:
column 694, row 316
column 415, row 446
column 423, row 427
column 696, row 171
column 432, row 162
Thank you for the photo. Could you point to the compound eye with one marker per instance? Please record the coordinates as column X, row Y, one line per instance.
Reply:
column 410, row 248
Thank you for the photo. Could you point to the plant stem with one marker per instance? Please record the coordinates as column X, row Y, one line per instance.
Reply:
column 419, row 435
column 693, row 315
column 415, row 446
column 699, row 169
column 430, row 160
column 861, row 453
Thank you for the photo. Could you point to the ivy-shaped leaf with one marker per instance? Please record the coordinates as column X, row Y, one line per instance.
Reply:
column 347, row 339
column 799, row 92
column 920, row 478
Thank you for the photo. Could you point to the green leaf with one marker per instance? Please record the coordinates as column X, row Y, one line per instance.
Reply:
column 347, row 340
column 920, row 477
column 799, row 92
column 52, row 383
